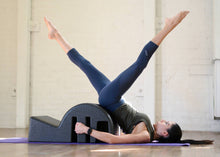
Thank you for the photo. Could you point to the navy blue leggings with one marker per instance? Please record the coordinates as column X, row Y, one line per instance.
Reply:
column 110, row 92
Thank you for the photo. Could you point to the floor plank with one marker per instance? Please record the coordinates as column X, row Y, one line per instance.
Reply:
column 48, row 150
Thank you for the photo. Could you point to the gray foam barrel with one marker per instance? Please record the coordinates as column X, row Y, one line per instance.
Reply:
column 48, row 129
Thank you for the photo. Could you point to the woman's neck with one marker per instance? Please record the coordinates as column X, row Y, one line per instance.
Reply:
column 156, row 136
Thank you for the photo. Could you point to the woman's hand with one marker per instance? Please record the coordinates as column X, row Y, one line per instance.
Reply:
column 80, row 128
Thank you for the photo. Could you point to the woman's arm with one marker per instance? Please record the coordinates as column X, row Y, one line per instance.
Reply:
column 142, row 137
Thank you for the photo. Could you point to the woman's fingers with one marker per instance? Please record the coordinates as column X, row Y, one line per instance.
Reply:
column 80, row 128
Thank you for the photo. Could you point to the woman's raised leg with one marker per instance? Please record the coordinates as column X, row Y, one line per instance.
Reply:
column 111, row 94
column 98, row 79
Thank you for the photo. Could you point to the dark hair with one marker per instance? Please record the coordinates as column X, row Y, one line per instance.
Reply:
column 175, row 134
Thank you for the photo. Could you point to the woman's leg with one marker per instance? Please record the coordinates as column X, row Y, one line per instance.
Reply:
column 111, row 94
column 97, row 79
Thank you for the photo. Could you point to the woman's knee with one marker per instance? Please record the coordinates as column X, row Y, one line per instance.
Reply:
column 106, row 99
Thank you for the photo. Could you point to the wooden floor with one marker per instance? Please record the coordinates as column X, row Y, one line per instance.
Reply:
column 45, row 150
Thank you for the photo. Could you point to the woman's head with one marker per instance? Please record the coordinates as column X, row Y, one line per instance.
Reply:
column 168, row 132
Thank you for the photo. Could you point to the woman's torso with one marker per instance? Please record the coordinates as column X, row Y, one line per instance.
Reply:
column 132, row 121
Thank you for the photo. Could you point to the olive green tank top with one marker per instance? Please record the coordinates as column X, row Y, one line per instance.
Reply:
column 128, row 118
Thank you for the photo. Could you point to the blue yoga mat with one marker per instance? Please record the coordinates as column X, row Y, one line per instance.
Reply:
column 25, row 140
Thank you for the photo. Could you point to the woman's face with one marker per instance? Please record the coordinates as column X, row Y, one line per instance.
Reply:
column 162, row 126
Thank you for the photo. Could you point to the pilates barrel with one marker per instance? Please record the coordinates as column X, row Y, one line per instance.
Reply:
column 48, row 129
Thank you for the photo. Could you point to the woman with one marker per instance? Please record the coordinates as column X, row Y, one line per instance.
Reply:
column 137, row 126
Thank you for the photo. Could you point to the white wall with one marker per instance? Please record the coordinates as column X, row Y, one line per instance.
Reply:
column 8, row 59
column 185, row 67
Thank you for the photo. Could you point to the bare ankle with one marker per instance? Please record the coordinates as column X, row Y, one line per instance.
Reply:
column 56, row 34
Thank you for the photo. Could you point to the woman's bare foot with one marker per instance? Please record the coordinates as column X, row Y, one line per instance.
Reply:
column 171, row 23
column 54, row 34
column 51, row 28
